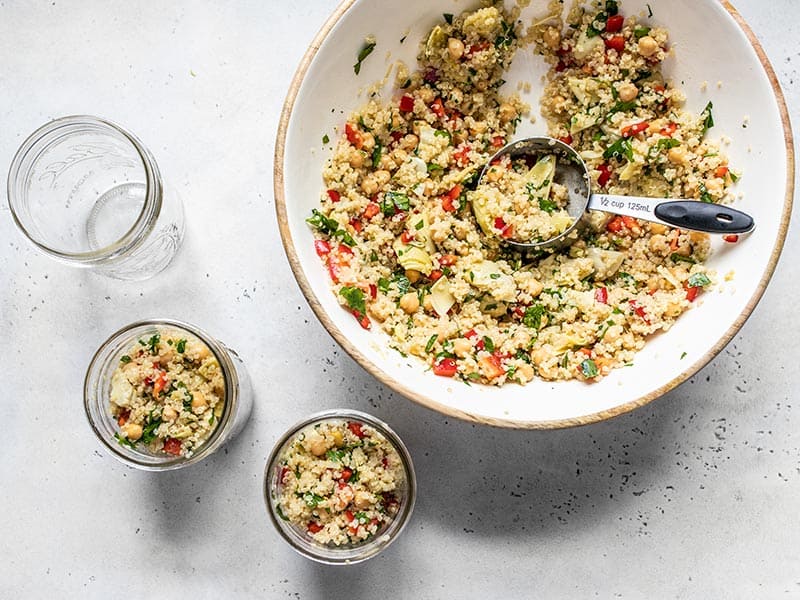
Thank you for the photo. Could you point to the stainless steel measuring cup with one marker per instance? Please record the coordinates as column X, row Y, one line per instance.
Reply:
column 572, row 173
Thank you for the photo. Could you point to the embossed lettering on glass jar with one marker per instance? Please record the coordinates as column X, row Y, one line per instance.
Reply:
column 87, row 192
column 152, row 450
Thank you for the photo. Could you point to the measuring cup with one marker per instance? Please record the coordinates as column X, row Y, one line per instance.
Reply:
column 572, row 173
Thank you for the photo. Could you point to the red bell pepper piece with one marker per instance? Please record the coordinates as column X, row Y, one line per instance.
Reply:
column 355, row 429
column 406, row 103
column 353, row 135
column 632, row 130
column 616, row 43
column 605, row 175
column 172, row 446
column 614, row 23
column 446, row 367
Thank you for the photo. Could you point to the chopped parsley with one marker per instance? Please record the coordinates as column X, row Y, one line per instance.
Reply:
column 448, row 17
column 377, row 153
column 488, row 343
column 640, row 32
column 589, row 369
column 355, row 299
column 152, row 343
column 699, row 280
column 180, row 346
column 335, row 455
column 325, row 139
column 311, row 500
column 366, row 50
column 681, row 258
column 533, row 316
column 125, row 359
column 507, row 36
column 393, row 202
column 547, row 205
column 620, row 149
column 123, row 441
column 708, row 118
column 330, row 226
column 150, row 426
column 431, row 342
column 704, row 195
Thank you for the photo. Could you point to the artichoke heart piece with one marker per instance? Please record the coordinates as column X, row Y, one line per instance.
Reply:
column 441, row 298
column 586, row 45
column 586, row 91
column 540, row 177
column 606, row 262
column 122, row 392
column 487, row 276
column 436, row 41
column 413, row 258
column 479, row 200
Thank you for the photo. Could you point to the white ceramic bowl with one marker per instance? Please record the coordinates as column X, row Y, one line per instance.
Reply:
column 712, row 44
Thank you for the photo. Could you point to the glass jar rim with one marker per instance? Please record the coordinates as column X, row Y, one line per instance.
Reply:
column 226, row 421
column 372, row 547
column 139, row 230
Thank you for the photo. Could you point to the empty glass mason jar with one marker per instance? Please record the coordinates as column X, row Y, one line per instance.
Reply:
column 89, row 193
column 163, row 394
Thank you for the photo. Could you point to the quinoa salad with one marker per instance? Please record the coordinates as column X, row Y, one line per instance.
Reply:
column 167, row 394
column 412, row 247
column 338, row 481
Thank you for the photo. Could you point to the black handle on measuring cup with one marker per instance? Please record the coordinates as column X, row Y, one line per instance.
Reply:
column 704, row 216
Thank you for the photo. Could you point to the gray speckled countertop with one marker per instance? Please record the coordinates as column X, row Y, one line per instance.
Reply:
column 693, row 496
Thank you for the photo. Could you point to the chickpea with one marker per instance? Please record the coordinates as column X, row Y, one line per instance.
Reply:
column 552, row 38
column 678, row 156
column 399, row 156
column 338, row 438
column 356, row 158
column 525, row 372
column 367, row 142
column 373, row 182
column 427, row 95
column 648, row 46
column 199, row 402
column 413, row 275
column 478, row 127
column 494, row 173
column 317, row 444
column 482, row 85
column 673, row 309
column 535, row 287
column 169, row 413
column 410, row 302
column 507, row 112
column 715, row 185
column 627, row 91
column 658, row 228
column 697, row 237
column 363, row 499
column 456, row 48
column 369, row 186
column 658, row 244
column 132, row 431
column 409, row 142
column 462, row 347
